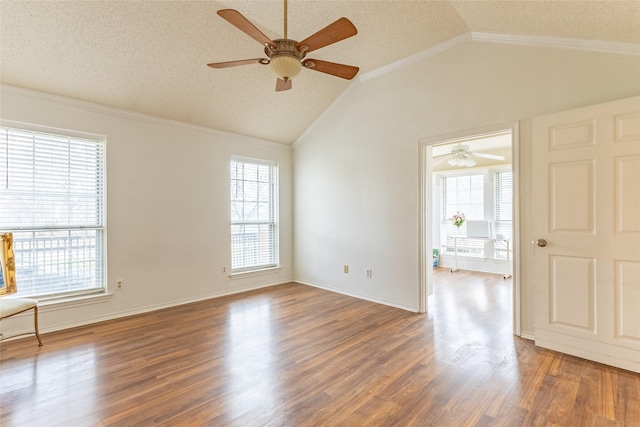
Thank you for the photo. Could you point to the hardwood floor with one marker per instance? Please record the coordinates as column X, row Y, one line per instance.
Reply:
column 293, row 355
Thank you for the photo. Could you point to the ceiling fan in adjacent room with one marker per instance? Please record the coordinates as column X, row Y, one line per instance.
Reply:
column 460, row 155
column 286, row 57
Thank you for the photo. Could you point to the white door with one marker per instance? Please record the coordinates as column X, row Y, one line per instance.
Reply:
column 586, row 173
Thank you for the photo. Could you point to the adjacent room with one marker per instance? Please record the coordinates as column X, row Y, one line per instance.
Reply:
column 472, row 205
column 472, row 222
column 255, row 213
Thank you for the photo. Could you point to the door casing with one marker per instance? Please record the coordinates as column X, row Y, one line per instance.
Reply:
column 425, row 216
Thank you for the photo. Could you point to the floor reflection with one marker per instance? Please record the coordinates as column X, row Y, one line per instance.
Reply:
column 250, row 363
column 472, row 322
column 302, row 356
column 47, row 385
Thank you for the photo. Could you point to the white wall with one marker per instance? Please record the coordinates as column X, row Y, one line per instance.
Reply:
column 356, row 170
column 167, row 207
column 356, row 177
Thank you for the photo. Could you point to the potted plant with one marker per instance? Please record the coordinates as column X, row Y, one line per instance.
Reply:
column 436, row 256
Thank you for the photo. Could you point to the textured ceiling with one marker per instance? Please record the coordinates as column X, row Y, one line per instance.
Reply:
column 151, row 56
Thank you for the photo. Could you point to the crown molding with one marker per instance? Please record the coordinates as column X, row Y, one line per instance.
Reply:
column 402, row 63
column 91, row 107
column 556, row 42
column 420, row 56
column 561, row 42
column 567, row 43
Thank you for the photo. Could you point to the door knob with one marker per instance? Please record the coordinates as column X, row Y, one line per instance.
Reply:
column 540, row 242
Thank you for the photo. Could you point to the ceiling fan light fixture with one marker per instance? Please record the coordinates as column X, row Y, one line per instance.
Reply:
column 285, row 66
column 460, row 161
column 454, row 161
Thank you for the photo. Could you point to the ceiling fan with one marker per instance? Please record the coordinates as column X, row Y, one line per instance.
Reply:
column 461, row 156
column 285, row 56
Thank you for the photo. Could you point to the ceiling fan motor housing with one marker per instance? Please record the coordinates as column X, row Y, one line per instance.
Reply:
column 285, row 58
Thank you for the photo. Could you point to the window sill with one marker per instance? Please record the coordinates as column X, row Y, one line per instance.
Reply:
column 250, row 273
column 74, row 301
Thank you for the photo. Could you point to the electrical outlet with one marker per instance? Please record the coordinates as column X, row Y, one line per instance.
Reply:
column 120, row 284
column 224, row 269
column 369, row 273
column 346, row 269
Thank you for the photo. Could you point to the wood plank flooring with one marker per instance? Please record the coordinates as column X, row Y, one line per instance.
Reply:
column 294, row 355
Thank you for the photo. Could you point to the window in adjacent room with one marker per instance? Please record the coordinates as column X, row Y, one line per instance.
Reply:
column 52, row 200
column 503, row 210
column 254, row 215
column 464, row 194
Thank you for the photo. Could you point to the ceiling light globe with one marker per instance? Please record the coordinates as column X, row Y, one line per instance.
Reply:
column 285, row 66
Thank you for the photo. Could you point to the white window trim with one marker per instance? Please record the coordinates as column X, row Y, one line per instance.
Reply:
column 262, row 269
column 79, row 297
column 257, row 272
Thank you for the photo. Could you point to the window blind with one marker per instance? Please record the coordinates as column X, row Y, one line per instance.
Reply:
column 503, row 209
column 52, row 200
column 254, row 242
column 464, row 194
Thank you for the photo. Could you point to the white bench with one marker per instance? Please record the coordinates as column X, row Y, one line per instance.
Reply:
column 12, row 306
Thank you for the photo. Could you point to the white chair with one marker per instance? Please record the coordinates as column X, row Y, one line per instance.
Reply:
column 12, row 306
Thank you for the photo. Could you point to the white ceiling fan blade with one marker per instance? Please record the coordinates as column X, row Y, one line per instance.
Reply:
column 440, row 159
column 488, row 156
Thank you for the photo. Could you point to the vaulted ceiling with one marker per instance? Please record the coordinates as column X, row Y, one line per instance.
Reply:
column 150, row 56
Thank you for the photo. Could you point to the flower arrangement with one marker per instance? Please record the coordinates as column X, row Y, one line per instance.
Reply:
column 458, row 219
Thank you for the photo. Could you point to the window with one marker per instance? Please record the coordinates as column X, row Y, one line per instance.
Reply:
column 52, row 200
column 464, row 194
column 503, row 210
column 254, row 215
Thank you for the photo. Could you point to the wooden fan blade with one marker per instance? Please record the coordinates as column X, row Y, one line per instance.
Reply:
column 332, row 33
column 283, row 85
column 236, row 63
column 339, row 70
column 236, row 19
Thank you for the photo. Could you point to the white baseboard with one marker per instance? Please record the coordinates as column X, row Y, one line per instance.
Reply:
column 43, row 309
column 528, row 336
column 359, row 296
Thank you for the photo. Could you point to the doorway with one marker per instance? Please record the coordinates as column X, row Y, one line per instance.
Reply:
column 477, row 161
